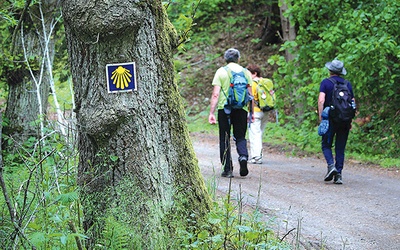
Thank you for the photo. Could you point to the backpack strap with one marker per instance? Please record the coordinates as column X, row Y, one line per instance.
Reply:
column 334, row 81
column 257, row 88
column 229, row 71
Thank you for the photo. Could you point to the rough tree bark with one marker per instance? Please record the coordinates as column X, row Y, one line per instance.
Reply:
column 137, row 162
column 28, row 87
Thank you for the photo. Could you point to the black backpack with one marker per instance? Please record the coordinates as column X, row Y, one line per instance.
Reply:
column 341, row 104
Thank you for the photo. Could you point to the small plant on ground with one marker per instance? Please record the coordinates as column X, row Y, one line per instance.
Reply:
column 230, row 227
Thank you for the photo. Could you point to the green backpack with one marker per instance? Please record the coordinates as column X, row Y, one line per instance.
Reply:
column 266, row 94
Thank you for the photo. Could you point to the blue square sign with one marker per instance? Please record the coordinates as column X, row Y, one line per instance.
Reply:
column 121, row 77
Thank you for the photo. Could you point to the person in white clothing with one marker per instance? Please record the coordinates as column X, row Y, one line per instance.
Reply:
column 257, row 127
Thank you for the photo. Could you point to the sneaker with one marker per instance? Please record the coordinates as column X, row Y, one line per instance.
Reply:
column 227, row 174
column 338, row 179
column 243, row 166
column 332, row 171
column 255, row 160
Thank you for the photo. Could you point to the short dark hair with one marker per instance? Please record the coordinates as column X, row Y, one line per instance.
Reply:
column 232, row 55
column 254, row 69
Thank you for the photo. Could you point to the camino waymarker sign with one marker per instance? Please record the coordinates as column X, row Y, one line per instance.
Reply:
column 121, row 77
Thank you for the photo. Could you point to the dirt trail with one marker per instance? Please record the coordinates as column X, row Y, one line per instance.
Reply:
column 363, row 213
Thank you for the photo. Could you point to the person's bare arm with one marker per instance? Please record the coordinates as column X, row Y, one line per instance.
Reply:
column 213, row 104
column 321, row 100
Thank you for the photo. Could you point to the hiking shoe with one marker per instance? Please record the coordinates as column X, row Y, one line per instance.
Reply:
column 227, row 174
column 332, row 171
column 256, row 160
column 243, row 166
column 338, row 179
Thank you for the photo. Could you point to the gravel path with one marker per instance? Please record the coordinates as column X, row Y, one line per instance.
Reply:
column 363, row 213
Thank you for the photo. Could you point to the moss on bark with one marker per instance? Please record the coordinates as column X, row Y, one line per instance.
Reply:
column 137, row 163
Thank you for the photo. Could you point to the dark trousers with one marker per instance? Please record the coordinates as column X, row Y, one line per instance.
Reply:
column 238, row 121
column 338, row 132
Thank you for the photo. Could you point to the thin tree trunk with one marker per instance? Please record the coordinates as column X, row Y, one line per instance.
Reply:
column 28, row 79
column 288, row 30
column 137, row 162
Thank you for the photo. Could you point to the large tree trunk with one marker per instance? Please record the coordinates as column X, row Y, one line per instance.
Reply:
column 1, row 142
column 137, row 163
column 28, row 87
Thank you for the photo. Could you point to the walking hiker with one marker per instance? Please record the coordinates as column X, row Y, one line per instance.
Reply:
column 230, row 115
column 333, row 89
column 262, row 90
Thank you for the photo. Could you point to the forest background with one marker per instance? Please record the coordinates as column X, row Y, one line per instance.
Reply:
column 360, row 33
column 363, row 34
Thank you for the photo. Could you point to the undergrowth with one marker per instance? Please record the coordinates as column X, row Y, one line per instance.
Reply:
column 41, row 208
column 228, row 226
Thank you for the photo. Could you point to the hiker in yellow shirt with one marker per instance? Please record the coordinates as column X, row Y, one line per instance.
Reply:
column 257, row 127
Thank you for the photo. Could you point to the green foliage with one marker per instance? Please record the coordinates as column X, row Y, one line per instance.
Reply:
column 14, row 66
column 229, row 227
column 299, row 140
column 208, row 28
column 61, row 73
column 364, row 36
column 40, row 179
column 117, row 235
column 203, row 9
column 8, row 21
column 203, row 17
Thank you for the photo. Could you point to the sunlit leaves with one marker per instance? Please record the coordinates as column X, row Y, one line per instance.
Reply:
column 364, row 36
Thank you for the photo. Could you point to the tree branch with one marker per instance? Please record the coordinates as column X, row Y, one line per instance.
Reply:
column 184, row 38
column 2, row 181
column 73, row 229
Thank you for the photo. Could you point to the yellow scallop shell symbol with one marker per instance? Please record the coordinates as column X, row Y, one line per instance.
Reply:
column 121, row 77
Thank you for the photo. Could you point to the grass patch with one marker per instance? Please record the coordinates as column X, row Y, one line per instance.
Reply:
column 199, row 123
column 228, row 226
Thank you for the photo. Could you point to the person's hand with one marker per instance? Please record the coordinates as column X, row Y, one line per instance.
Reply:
column 211, row 119
column 251, row 118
